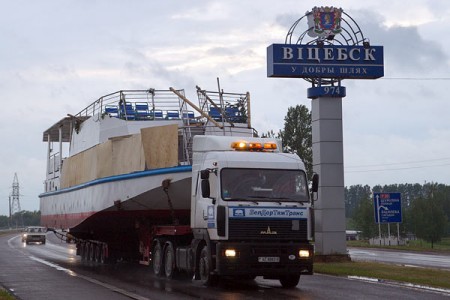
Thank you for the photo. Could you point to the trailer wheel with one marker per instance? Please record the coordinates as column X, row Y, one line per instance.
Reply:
column 290, row 281
column 157, row 259
column 103, row 253
column 91, row 251
column 169, row 260
column 98, row 252
column 83, row 256
column 205, row 268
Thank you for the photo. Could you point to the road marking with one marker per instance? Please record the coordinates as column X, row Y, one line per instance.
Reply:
column 105, row 285
column 441, row 291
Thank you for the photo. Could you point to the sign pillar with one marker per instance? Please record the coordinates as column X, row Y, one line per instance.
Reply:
column 324, row 54
column 328, row 162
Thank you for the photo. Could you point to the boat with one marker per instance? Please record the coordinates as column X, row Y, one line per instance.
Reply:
column 111, row 163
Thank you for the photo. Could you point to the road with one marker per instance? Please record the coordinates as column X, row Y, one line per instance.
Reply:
column 52, row 271
column 429, row 260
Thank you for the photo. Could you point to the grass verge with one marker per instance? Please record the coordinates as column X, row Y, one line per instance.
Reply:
column 419, row 276
column 4, row 295
column 414, row 245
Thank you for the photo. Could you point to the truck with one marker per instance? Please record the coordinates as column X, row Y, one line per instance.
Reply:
column 204, row 195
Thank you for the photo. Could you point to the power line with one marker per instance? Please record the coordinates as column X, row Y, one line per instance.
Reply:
column 397, row 169
column 400, row 163
column 416, row 78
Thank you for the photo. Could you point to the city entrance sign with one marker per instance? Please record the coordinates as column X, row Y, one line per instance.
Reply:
column 330, row 61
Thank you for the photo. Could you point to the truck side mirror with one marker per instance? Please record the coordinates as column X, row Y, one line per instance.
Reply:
column 205, row 188
column 315, row 183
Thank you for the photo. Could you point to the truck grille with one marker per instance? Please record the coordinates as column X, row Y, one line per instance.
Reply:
column 267, row 229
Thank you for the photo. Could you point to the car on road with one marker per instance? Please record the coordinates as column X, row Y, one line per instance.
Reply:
column 34, row 234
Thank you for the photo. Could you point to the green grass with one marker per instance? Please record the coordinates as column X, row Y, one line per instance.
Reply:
column 419, row 276
column 4, row 295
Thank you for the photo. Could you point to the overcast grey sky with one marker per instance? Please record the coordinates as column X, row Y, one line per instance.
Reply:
column 57, row 56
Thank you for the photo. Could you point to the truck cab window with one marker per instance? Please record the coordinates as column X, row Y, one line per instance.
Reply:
column 264, row 185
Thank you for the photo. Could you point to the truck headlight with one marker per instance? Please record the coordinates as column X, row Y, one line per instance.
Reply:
column 230, row 253
column 303, row 253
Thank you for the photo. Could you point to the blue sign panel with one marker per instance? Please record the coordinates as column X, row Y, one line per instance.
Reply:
column 387, row 207
column 326, row 91
column 327, row 61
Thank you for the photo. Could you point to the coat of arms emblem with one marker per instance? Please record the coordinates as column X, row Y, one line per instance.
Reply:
column 324, row 21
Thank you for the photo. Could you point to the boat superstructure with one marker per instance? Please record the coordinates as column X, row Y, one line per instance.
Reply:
column 113, row 161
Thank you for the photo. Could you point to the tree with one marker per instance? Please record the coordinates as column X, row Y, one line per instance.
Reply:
column 363, row 218
column 297, row 134
column 271, row 134
column 428, row 217
column 4, row 221
column 353, row 196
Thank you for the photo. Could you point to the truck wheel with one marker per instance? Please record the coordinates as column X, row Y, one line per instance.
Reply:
column 290, row 281
column 169, row 261
column 205, row 268
column 157, row 259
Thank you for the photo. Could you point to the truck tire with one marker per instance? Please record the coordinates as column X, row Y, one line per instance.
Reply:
column 157, row 256
column 290, row 281
column 204, row 266
column 169, row 261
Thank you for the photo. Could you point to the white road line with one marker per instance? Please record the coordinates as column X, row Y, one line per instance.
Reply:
column 441, row 291
column 95, row 281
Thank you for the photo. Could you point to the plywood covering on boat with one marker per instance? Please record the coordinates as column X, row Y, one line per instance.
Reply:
column 127, row 154
column 154, row 147
column 160, row 146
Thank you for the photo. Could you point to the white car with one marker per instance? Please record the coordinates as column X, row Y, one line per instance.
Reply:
column 34, row 234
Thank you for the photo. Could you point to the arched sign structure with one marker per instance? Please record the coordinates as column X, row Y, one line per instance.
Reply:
column 331, row 48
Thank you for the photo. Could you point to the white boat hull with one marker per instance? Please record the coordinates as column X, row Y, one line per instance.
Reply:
column 122, row 195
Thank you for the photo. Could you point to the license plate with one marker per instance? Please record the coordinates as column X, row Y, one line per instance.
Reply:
column 268, row 259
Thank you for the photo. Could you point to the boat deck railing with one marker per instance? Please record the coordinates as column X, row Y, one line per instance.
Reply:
column 139, row 105
column 151, row 104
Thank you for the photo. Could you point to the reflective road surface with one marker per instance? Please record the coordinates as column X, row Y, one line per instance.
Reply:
column 53, row 271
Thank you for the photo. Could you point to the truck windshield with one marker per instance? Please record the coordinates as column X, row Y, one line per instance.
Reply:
column 264, row 185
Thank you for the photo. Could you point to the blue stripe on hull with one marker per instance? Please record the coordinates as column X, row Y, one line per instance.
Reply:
column 139, row 174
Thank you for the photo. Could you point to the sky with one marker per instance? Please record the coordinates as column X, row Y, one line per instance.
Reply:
column 58, row 56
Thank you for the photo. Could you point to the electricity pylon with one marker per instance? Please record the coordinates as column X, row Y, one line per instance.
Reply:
column 14, row 203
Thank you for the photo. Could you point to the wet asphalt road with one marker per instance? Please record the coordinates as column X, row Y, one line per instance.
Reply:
column 52, row 271
column 428, row 260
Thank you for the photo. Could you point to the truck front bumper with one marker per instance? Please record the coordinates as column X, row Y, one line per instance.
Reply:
column 267, row 259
